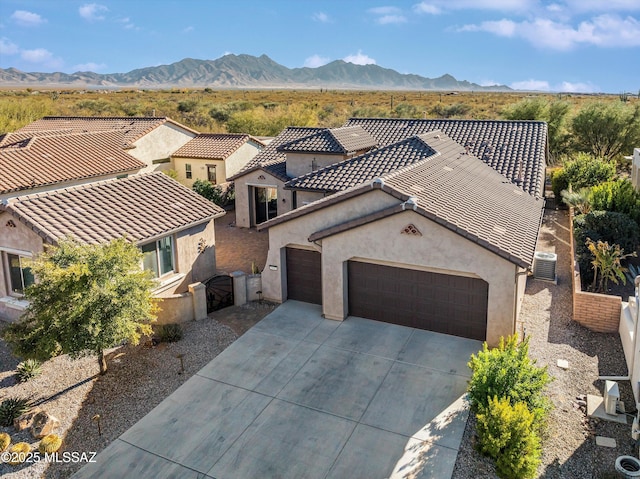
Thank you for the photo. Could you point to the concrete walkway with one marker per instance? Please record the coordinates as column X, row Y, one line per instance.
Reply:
column 298, row 396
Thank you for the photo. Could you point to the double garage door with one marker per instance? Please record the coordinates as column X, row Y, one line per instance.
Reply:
column 449, row 304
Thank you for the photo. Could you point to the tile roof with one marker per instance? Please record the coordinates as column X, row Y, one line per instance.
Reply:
column 368, row 166
column 32, row 161
column 516, row 149
column 459, row 192
column 214, row 146
column 270, row 159
column 133, row 127
column 142, row 207
column 345, row 140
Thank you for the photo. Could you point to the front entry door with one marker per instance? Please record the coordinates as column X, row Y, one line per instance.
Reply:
column 266, row 203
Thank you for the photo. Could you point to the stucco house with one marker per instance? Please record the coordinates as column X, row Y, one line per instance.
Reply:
column 268, row 186
column 420, row 231
column 214, row 157
column 151, row 140
column 47, row 161
column 173, row 226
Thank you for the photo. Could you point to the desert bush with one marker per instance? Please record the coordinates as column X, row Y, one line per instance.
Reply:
column 582, row 171
column 5, row 440
column 28, row 369
column 49, row 444
column 457, row 110
column 12, row 408
column 169, row 333
column 507, row 433
column 508, row 372
column 212, row 192
column 619, row 196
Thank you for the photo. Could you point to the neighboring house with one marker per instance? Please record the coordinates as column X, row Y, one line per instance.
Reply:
column 420, row 232
column 214, row 157
column 173, row 226
column 271, row 185
column 40, row 162
column 151, row 140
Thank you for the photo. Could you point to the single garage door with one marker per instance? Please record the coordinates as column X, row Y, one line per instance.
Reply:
column 304, row 275
column 444, row 303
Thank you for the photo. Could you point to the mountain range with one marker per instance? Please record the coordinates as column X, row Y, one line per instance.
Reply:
column 245, row 71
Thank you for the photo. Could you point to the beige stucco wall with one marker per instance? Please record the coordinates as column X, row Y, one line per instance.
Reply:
column 635, row 168
column 196, row 266
column 159, row 144
column 18, row 240
column 299, row 164
column 306, row 197
column 239, row 159
column 244, row 200
column 438, row 250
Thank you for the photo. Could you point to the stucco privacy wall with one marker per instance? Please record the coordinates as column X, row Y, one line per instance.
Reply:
column 438, row 250
column 198, row 266
column 243, row 199
column 160, row 143
column 299, row 164
column 306, row 197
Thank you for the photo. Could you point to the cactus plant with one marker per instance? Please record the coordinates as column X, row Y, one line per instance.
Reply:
column 49, row 444
column 12, row 408
column 5, row 440
column 19, row 453
column 28, row 369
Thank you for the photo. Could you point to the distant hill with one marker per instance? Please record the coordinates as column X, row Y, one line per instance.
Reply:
column 245, row 71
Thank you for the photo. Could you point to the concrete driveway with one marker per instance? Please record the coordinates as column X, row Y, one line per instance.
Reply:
column 298, row 396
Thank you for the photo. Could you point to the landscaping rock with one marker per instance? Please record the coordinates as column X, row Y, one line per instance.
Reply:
column 43, row 424
column 24, row 422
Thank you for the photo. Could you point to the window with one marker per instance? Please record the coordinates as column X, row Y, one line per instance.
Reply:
column 211, row 174
column 187, row 171
column 20, row 275
column 157, row 257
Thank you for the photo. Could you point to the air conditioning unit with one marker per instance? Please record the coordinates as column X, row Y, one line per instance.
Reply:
column 611, row 397
column 544, row 266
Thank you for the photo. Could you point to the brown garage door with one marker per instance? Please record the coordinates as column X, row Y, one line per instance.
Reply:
column 304, row 275
column 443, row 303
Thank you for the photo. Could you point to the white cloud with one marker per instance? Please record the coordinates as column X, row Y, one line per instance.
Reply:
column 388, row 15
column 89, row 67
column 359, row 59
column 315, row 61
column 128, row 24
column 41, row 56
column 27, row 19
column 189, row 29
column 92, row 11
column 604, row 30
column 425, row 7
column 437, row 6
column 391, row 19
column 538, row 85
column 565, row 86
column 580, row 6
column 321, row 17
column 385, row 10
column 8, row 48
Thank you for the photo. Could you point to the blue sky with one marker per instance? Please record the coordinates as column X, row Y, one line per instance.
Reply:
column 556, row 45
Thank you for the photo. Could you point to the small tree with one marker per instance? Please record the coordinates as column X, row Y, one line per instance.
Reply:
column 86, row 298
column 606, row 264
column 210, row 191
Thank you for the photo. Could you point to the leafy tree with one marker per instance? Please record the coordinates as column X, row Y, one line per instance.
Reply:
column 507, row 433
column 507, row 372
column 606, row 264
column 87, row 298
column 606, row 130
column 210, row 191
column 554, row 113
column 582, row 171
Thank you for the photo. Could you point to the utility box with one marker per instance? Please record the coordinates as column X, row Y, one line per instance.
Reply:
column 611, row 397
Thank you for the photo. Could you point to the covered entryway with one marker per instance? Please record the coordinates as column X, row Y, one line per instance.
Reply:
column 304, row 275
column 444, row 303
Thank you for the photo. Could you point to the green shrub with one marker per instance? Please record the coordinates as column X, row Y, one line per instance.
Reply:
column 28, row 369
column 619, row 196
column 5, row 440
column 507, row 433
column 12, row 408
column 169, row 333
column 507, row 372
column 582, row 171
column 49, row 444
column 609, row 226
column 212, row 192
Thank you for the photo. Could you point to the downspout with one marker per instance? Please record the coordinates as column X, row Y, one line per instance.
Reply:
column 523, row 333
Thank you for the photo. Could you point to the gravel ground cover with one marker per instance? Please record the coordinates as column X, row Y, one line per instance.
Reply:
column 569, row 449
column 139, row 378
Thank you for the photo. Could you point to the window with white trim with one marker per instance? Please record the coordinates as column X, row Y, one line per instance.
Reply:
column 158, row 256
column 187, row 171
column 20, row 274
